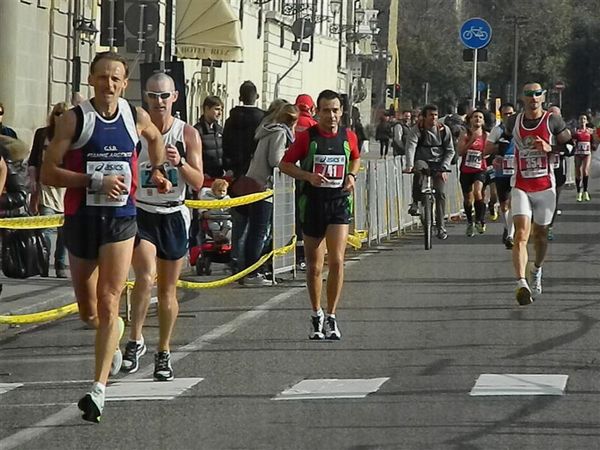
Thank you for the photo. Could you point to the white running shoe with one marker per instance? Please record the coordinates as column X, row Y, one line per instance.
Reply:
column 536, row 280
column 117, row 360
column 331, row 329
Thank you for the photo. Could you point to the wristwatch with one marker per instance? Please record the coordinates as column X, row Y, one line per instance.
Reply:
column 181, row 162
column 350, row 174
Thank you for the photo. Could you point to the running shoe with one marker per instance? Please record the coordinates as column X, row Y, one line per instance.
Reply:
column 550, row 234
column 117, row 359
column 131, row 359
column 316, row 330
column 523, row 293
column 470, row 230
column 493, row 212
column 442, row 233
column 536, row 280
column 509, row 243
column 480, row 227
column 257, row 280
column 92, row 405
column 579, row 197
column 586, row 197
column 332, row 331
column 163, row 371
column 413, row 210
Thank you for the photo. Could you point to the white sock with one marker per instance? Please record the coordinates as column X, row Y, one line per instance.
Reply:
column 98, row 387
column 318, row 313
column 505, row 215
column 522, row 282
column 331, row 315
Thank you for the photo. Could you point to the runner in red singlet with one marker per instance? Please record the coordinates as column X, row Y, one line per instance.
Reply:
column 582, row 138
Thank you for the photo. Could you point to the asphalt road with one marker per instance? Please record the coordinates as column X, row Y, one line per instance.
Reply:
column 427, row 323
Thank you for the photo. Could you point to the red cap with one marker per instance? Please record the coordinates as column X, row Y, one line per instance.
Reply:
column 304, row 102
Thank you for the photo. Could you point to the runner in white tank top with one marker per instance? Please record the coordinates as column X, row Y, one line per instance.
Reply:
column 163, row 225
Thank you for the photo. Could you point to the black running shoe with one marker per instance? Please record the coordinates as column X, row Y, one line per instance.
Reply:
column 316, row 330
column 162, row 367
column 131, row 358
column 331, row 329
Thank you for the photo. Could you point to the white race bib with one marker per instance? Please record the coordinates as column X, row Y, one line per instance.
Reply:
column 108, row 168
column 554, row 160
column 533, row 164
column 332, row 167
column 473, row 159
column 149, row 188
column 508, row 165
column 583, row 148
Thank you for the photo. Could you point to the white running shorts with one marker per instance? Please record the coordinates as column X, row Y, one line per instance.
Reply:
column 538, row 206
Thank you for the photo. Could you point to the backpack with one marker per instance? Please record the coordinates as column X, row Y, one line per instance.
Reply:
column 456, row 125
column 400, row 148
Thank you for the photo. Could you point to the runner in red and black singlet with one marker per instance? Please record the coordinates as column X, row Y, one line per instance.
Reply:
column 93, row 155
column 582, row 138
column 533, row 197
column 329, row 161
column 473, row 169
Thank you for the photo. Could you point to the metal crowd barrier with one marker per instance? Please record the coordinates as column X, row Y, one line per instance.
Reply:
column 284, row 221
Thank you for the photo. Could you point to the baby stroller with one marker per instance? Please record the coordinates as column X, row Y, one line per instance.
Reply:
column 213, row 241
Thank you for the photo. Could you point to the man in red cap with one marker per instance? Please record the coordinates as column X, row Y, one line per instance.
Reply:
column 306, row 105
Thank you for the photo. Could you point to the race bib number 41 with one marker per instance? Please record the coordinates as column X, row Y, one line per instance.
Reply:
column 119, row 168
column 332, row 167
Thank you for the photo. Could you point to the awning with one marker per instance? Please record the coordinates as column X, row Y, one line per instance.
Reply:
column 207, row 29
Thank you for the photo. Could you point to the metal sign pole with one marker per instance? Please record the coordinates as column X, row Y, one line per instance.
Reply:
column 474, row 84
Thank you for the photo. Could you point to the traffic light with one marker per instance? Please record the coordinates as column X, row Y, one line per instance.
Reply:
column 392, row 90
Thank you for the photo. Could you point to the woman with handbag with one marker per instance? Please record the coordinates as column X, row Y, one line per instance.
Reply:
column 273, row 139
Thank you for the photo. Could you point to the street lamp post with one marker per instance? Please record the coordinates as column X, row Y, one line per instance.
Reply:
column 517, row 21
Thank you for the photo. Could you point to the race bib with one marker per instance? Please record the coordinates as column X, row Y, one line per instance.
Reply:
column 533, row 164
column 583, row 148
column 508, row 165
column 473, row 159
column 108, row 168
column 554, row 160
column 332, row 167
column 149, row 187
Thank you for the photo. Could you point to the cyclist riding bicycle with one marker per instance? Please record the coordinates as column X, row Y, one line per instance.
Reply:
column 430, row 146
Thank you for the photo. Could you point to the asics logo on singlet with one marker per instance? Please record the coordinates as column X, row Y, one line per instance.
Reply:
column 109, row 166
column 111, row 148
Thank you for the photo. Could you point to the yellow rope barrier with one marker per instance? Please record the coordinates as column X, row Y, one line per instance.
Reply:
column 53, row 314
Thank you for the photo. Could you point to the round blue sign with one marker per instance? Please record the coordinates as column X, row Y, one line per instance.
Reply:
column 475, row 33
column 481, row 86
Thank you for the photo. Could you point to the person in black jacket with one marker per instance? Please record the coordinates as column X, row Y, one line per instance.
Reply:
column 238, row 134
column 239, row 146
column 13, row 182
column 211, row 134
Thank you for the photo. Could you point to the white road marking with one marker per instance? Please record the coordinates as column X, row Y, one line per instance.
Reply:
column 331, row 388
column 148, row 389
column 5, row 387
column 519, row 384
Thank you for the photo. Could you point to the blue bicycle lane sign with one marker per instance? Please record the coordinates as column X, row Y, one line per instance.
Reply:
column 475, row 33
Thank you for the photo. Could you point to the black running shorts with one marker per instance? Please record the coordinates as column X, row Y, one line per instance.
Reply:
column 503, row 188
column 84, row 235
column 168, row 233
column 468, row 179
column 320, row 213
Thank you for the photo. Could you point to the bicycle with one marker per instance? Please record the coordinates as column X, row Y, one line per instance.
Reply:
column 478, row 33
column 426, row 205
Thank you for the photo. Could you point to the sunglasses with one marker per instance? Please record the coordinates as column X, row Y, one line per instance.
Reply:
column 536, row 93
column 157, row 95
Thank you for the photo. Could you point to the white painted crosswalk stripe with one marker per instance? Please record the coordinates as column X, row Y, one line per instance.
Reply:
column 519, row 384
column 6, row 387
column 148, row 389
column 331, row 388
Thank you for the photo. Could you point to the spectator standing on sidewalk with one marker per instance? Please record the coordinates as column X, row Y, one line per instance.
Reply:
column 383, row 134
column 48, row 200
column 239, row 145
column 273, row 139
column 211, row 133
